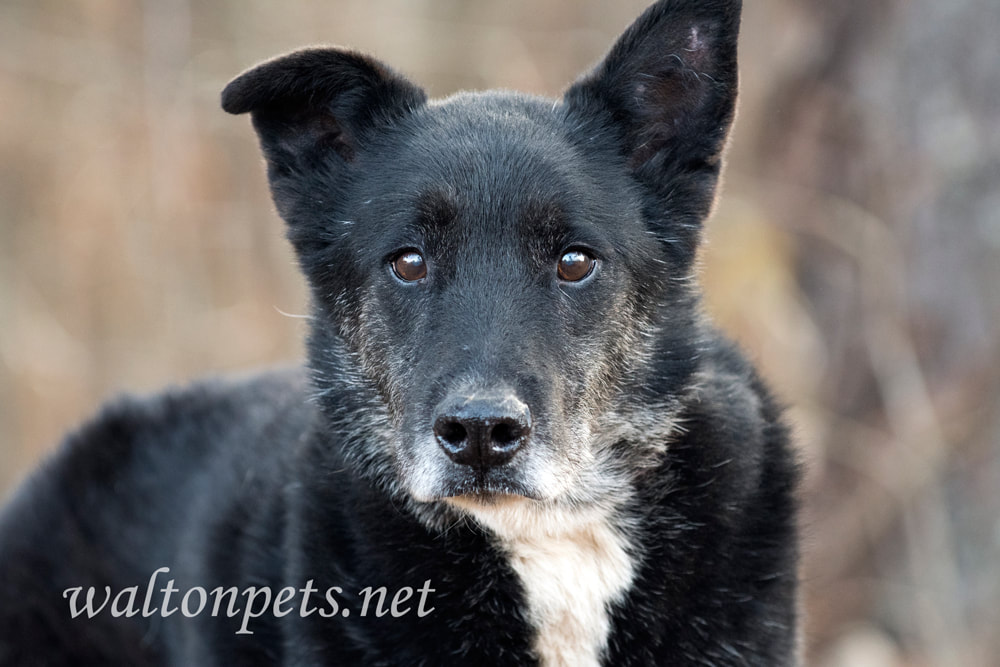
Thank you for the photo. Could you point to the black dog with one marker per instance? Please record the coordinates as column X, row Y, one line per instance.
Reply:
column 516, row 441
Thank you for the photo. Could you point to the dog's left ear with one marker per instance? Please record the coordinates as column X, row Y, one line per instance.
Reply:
column 319, row 99
column 666, row 92
column 315, row 112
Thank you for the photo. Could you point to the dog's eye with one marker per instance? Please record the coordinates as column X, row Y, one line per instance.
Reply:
column 575, row 265
column 410, row 266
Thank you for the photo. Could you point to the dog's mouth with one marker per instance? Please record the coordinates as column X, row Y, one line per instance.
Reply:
column 487, row 489
column 477, row 487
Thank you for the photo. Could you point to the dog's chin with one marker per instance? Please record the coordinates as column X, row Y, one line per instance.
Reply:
column 477, row 503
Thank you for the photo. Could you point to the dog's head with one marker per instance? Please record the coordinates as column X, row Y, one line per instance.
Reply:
column 497, row 279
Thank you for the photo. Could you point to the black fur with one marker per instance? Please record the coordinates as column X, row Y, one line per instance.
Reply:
column 639, row 410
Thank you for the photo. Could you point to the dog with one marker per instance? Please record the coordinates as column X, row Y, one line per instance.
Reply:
column 516, row 439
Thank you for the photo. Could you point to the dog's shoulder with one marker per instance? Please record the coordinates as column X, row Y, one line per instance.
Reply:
column 156, row 451
column 184, row 424
column 130, row 488
column 728, row 391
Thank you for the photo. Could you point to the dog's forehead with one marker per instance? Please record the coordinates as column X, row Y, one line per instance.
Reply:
column 497, row 166
column 497, row 113
column 494, row 143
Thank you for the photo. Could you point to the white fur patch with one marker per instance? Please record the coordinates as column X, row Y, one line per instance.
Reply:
column 573, row 565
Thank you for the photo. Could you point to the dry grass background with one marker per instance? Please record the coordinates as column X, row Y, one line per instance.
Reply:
column 855, row 252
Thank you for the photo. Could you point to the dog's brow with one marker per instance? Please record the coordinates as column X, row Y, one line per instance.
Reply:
column 437, row 208
column 547, row 224
column 545, row 214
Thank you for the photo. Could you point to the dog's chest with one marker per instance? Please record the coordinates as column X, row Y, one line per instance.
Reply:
column 572, row 568
column 570, row 582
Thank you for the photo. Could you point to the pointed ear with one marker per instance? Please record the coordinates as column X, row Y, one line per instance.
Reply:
column 316, row 105
column 666, row 90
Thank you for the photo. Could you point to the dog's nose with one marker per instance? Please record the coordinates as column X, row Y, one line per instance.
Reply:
column 482, row 431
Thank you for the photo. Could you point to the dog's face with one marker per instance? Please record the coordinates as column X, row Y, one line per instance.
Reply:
column 494, row 293
column 496, row 278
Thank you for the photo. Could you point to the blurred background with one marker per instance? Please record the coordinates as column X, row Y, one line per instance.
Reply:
column 855, row 252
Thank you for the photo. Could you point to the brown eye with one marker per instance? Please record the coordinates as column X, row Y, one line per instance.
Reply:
column 575, row 265
column 410, row 266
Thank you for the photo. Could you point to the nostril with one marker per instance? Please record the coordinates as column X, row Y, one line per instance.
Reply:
column 506, row 433
column 451, row 432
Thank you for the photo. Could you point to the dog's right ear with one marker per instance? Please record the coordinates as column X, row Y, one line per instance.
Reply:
column 666, row 93
column 315, row 107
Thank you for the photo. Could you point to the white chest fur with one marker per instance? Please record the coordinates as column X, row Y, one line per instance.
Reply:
column 573, row 566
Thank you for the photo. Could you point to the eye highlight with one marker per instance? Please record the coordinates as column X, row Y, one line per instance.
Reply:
column 575, row 265
column 409, row 266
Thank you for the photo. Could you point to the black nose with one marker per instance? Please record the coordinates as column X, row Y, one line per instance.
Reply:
column 482, row 431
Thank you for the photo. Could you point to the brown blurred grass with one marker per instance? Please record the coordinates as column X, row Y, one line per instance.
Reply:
column 138, row 247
